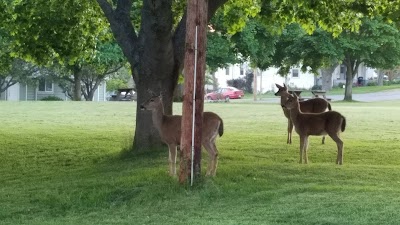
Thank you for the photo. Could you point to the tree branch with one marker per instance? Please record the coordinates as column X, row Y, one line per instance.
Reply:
column 122, row 28
column 111, row 71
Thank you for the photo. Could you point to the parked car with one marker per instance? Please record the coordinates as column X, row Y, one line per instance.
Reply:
column 225, row 93
column 123, row 94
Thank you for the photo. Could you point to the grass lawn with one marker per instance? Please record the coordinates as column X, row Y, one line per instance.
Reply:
column 60, row 163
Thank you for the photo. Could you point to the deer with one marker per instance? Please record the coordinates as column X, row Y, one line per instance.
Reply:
column 331, row 123
column 169, row 129
column 314, row 105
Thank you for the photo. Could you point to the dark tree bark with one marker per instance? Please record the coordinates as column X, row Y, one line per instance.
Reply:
column 5, row 84
column 77, row 83
column 326, row 76
column 155, row 54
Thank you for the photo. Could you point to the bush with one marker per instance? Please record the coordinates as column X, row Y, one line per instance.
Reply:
column 396, row 81
column 316, row 87
column 341, row 84
column 373, row 83
column 249, row 82
column 237, row 83
column 51, row 98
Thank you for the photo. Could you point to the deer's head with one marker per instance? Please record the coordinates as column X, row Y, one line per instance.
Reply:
column 151, row 103
column 282, row 91
column 292, row 102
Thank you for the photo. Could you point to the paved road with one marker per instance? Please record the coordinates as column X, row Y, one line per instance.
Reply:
column 369, row 97
column 372, row 97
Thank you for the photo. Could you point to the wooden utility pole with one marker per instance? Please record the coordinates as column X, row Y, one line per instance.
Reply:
column 194, row 72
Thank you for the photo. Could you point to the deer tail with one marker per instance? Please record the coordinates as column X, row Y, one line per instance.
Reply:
column 221, row 128
column 329, row 106
column 343, row 123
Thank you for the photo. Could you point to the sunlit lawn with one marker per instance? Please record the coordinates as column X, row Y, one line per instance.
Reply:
column 60, row 163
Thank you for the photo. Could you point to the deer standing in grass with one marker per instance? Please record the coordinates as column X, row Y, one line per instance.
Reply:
column 306, row 124
column 169, row 128
column 315, row 105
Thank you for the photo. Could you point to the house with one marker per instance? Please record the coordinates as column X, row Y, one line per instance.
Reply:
column 45, row 88
column 364, row 73
column 296, row 79
column 265, row 79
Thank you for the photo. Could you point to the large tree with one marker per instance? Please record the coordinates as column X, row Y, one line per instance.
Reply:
column 376, row 44
column 62, row 32
column 106, row 59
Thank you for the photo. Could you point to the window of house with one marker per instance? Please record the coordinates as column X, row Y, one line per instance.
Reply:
column 226, row 70
column 342, row 72
column 241, row 69
column 45, row 85
column 295, row 72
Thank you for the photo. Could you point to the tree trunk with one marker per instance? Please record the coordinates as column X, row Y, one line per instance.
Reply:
column 146, row 136
column 157, row 67
column 77, row 83
column 214, row 81
column 326, row 76
column 90, row 89
column 380, row 77
column 155, row 55
column 348, row 92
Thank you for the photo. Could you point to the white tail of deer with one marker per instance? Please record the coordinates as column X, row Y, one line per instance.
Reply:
column 306, row 124
column 169, row 128
column 315, row 105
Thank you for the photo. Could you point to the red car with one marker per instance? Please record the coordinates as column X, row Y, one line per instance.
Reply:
column 225, row 93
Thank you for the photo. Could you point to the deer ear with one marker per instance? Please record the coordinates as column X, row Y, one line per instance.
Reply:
column 278, row 86
column 284, row 85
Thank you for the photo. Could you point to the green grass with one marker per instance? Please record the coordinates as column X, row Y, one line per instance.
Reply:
column 337, row 91
column 60, row 163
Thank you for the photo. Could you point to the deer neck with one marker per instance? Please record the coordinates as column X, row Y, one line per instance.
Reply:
column 157, row 116
column 284, row 98
column 294, row 113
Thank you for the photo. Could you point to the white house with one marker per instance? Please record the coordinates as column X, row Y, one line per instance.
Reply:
column 266, row 79
column 339, row 75
column 46, row 88
column 296, row 79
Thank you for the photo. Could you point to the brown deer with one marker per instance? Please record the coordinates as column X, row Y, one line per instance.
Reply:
column 306, row 124
column 315, row 105
column 169, row 128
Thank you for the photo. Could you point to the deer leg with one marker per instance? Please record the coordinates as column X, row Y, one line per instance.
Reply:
column 301, row 149
column 172, row 159
column 323, row 139
column 215, row 164
column 305, row 150
column 339, row 143
column 212, row 158
column 290, row 129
